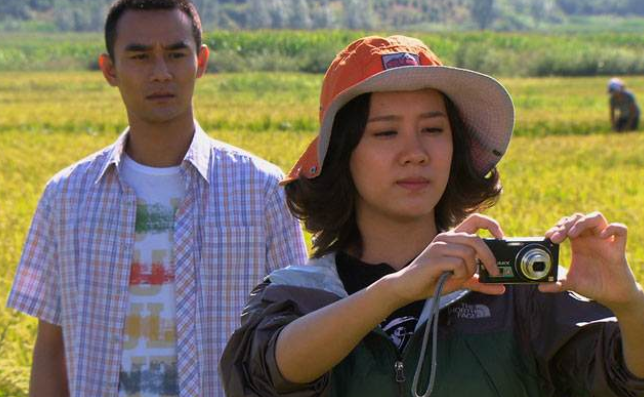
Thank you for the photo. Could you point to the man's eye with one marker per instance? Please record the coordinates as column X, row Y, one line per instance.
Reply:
column 139, row 56
column 176, row 55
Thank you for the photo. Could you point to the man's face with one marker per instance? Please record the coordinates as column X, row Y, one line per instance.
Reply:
column 155, row 65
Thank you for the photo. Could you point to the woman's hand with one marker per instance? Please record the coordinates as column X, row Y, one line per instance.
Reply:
column 454, row 251
column 598, row 268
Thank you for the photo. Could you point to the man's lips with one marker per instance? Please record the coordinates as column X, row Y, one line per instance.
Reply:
column 160, row 96
column 413, row 183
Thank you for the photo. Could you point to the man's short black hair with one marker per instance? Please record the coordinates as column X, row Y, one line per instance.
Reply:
column 120, row 6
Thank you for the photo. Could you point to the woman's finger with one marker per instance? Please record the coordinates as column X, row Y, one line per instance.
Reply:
column 463, row 251
column 476, row 222
column 552, row 288
column 593, row 223
column 618, row 230
column 559, row 232
column 491, row 289
column 482, row 251
column 451, row 264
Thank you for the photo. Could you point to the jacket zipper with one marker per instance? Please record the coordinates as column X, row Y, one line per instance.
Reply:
column 399, row 368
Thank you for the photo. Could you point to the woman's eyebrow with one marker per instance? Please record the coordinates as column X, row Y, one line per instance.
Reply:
column 393, row 117
column 430, row 115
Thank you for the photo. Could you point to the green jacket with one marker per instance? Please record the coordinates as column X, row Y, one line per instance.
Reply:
column 520, row 344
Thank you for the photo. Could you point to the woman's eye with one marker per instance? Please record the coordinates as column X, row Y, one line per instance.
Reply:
column 433, row 130
column 385, row 133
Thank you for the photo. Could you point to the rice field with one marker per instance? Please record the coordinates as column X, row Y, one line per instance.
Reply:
column 562, row 160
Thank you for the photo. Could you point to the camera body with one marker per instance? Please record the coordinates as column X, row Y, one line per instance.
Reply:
column 522, row 260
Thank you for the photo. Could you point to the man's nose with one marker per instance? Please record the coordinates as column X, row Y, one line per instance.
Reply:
column 160, row 70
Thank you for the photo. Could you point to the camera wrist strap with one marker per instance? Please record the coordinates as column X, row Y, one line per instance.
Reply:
column 432, row 320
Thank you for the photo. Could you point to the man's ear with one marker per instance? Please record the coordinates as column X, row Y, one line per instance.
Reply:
column 202, row 60
column 108, row 69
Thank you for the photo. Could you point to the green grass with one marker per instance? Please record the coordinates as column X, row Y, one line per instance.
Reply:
column 506, row 54
column 562, row 160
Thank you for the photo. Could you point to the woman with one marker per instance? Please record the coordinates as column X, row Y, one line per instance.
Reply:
column 407, row 149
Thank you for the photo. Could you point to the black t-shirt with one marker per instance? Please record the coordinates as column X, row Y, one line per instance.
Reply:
column 357, row 275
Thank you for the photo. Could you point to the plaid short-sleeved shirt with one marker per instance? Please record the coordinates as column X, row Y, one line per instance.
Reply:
column 232, row 228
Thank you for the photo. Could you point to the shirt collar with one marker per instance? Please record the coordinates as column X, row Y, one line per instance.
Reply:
column 198, row 154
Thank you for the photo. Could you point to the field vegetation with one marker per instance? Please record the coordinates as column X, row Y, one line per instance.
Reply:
column 563, row 158
column 500, row 54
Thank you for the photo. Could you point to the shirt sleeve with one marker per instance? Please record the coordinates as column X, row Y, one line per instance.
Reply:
column 284, row 239
column 577, row 344
column 35, row 288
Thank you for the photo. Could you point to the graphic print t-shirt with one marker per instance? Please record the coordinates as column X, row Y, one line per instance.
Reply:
column 149, row 360
column 357, row 275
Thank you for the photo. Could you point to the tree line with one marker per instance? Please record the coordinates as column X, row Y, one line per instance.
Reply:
column 421, row 15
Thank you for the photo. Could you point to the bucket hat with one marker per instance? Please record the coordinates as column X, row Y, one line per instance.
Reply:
column 400, row 63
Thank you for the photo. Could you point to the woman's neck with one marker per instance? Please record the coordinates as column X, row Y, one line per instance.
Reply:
column 395, row 242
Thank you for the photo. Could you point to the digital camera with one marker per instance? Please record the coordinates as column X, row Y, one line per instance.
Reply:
column 523, row 260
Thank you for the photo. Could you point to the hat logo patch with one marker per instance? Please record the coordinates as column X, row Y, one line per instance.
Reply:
column 390, row 61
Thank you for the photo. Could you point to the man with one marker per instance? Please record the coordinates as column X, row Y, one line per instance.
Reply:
column 624, row 112
column 140, row 257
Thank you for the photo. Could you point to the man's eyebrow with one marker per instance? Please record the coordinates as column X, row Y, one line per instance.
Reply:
column 180, row 45
column 137, row 47
column 393, row 117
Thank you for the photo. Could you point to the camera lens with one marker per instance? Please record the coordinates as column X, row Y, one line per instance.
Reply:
column 535, row 263
column 539, row 266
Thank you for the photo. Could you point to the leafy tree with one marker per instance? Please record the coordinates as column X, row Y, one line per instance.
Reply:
column 82, row 15
column 322, row 16
column 637, row 7
column 301, row 15
column 41, row 5
column 358, row 14
column 483, row 13
column 13, row 10
column 259, row 17
column 280, row 13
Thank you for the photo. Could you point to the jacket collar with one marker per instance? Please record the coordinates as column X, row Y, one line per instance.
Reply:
column 321, row 273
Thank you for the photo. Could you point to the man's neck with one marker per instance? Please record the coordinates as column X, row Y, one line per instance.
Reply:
column 160, row 144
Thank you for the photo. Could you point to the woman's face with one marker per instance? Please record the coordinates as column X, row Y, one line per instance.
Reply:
column 401, row 164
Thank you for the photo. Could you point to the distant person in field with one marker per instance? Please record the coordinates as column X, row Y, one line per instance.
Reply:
column 624, row 111
column 405, row 157
column 140, row 257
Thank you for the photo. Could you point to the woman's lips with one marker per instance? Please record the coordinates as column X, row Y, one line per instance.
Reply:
column 413, row 183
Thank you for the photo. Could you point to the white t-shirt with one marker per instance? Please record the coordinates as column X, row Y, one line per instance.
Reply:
column 149, row 360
